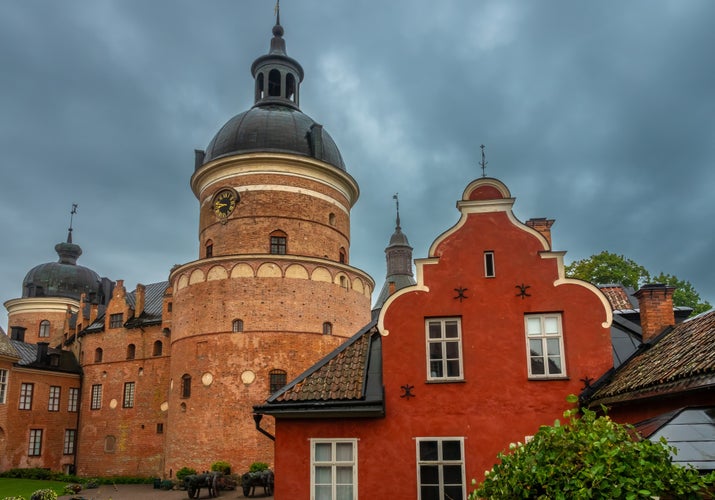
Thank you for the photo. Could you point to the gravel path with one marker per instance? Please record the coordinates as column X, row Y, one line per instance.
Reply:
column 147, row 492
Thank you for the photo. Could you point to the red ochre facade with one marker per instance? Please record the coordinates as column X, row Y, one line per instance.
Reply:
column 496, row 403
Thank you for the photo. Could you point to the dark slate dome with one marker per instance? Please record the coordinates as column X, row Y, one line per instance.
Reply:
column 63, row 278
column 274, row 128
column 275, row 123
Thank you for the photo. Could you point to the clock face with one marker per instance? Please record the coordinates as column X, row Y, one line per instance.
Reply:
column 224, row 203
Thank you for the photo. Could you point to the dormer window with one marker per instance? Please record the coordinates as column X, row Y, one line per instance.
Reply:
column 116, row 320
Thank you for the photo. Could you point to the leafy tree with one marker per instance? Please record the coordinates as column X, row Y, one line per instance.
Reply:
column 591, row 457
column 607, row 267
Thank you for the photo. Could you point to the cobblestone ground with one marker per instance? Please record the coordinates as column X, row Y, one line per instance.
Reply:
column 147, row 492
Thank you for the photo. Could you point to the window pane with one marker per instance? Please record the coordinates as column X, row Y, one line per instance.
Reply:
column 323, row 475
column 429, row 474
column 453, row 368
column 551, row 325
column 430, row 493
column 536, row 347
column 344, row 452
column 453, row 492
column 554, row 365
column 451, row 330
column 453, row 474
column 428, row 450
column 452, row 350
column 435, row 330
column 435, row 368
column 323, row 492
column 323, row 452
column 435, row 350
column 537, row 366
column 344, row 492
column 344, row 475
column 533, row 326
column 552, row 347
column 451, row 450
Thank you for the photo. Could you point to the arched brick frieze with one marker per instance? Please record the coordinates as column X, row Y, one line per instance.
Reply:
column 269, row 270
column 217, row 273
column 242, row 270
column 297, row 271
column 197, row 276
column 321, row 274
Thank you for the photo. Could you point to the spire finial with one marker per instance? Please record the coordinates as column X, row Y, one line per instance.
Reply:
column 277, row 12
column 484, row 162
column 397, row 205
column 72, row 212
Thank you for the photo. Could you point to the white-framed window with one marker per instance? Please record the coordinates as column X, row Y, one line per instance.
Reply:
column 3, row 386
column 444, row 349
column 73, row 401
column 333, row 469
column 440, row 468
column 34, row 448
column 26, row 390
column 489, row 270
column 54, row 402
column 70, row 438
column 44, row 328
column 128, row 401
column 96, row 402
column 544, row 345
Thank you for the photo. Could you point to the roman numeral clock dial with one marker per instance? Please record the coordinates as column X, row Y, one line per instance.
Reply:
column 224, row 203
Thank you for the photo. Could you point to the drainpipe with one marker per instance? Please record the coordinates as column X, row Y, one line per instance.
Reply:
column 257, row 417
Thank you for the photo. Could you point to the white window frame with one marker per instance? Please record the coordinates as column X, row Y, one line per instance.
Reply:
column 543, row 336
column 26, row 392
column 34, row 445
column 69, row 442
column 4, row 376
column 333, row 463
column 443, row 340
column 53, row 403
column 129, row 391
column 440, row 463
column 44, row 329
column 73, row 399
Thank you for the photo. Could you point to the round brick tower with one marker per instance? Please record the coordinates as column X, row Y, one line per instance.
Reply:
column 272, row 290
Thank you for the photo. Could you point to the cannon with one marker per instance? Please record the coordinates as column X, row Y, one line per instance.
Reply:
column 209, row 480
column 250, row 480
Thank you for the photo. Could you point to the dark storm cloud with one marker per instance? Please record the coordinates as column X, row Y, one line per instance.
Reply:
column 599, row 115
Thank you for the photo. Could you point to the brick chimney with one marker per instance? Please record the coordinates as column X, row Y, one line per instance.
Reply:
column 543, row 225
column 139, row 298
column 656, row 308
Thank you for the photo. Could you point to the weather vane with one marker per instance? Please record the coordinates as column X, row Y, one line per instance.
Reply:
column 72, row 212
column 484, row 162
column 277, row 11
column 397, row 204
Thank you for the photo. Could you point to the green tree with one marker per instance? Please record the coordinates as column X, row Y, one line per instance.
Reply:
column 607, row 267
column 591, row 457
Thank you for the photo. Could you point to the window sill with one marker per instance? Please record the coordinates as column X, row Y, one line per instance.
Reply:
column 446, row 381
column 547, row 379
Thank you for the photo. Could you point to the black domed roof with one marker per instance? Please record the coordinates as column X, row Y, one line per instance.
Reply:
column 63, row 278
column 274, row 128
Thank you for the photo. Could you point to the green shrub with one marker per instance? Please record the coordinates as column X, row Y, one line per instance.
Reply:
column 72, row 489
column 183, row 472
column 590, row 457
column 167, row 484
column 44, row 494
column 91, row 484
column 221, row 466
column 13, row 498
column 258, row 466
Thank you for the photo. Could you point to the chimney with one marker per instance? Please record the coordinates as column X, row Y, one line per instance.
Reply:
column 42, row 352
column 656, row 309
column 139, row 297
column 542, row 225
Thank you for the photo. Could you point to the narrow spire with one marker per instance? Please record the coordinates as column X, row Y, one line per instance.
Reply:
column 277, row 12
column 484, row 162
column 397, row 203
column 72, row 212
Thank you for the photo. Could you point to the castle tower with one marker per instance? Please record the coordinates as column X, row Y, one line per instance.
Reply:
column 272, row 289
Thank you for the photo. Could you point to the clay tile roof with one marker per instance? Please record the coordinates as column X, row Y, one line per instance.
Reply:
column 679, row 360
column 6, row 348
column 617, row 296
column 341, row 378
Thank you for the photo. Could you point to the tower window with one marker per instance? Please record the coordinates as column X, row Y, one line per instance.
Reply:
column 98, row 355
column 489, row 271
column 278, row 379
column 237, row 325
column 158, row 348
column 186, row 386
column 259, row 87
column 290, row 87
column 44, row 328
column 327, row 328
column 331, row 219
column 131, row 351
column 209, row 249
column 279, row 243
column 274, row 83
column 342, row 256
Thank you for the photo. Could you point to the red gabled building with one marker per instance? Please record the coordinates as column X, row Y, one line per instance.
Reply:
column 479, row 353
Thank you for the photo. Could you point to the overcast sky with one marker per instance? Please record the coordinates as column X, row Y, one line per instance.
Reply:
column 600, row 115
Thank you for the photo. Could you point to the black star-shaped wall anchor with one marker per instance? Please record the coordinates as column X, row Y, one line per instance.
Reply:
column 407, row 388
column 522, row 291
column 586, row 382
column 460, row 293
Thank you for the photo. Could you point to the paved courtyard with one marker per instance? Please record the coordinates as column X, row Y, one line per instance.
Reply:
column 147, row 492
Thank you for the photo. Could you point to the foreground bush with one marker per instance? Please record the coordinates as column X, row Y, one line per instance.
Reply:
column 591, row 457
